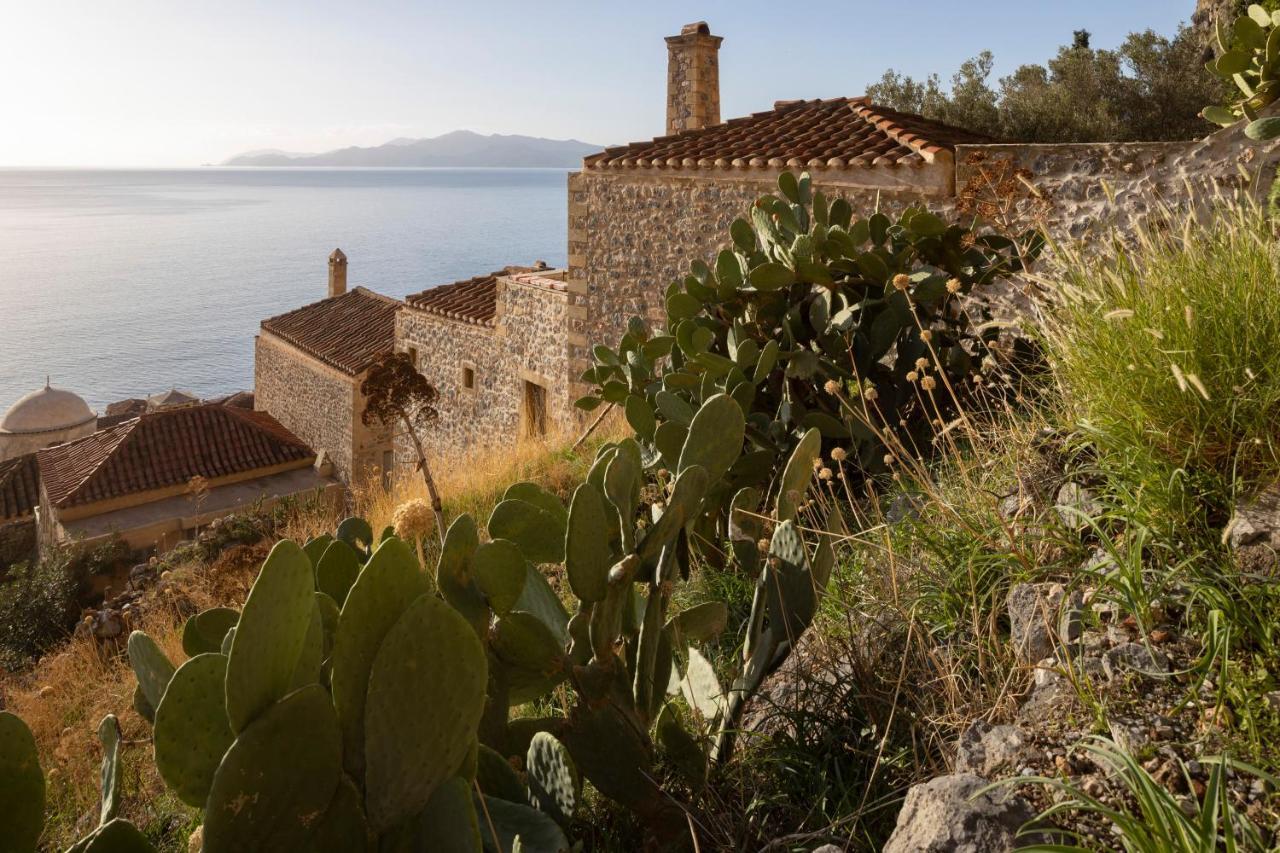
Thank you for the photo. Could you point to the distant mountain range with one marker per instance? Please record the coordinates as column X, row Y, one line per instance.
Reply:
column 456, row 149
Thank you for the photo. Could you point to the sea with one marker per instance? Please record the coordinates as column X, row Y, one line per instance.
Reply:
column 124, row 283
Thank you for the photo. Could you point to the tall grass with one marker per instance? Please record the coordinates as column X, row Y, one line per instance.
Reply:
column 1167, row 354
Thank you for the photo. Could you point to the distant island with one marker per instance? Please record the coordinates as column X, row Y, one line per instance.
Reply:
column 457, row 149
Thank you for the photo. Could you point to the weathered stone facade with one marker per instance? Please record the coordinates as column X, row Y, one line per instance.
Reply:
column 527, row 346
column 321, row 405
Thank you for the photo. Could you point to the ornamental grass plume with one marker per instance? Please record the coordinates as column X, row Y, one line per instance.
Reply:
column 413, row 520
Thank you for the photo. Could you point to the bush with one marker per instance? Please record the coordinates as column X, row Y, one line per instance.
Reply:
column 1166, row 353
column 39, row 604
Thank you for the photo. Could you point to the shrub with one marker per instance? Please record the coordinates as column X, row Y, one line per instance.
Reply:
column 38, row 607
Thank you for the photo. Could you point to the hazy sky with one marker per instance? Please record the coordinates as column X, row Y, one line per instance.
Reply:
column 183, row 82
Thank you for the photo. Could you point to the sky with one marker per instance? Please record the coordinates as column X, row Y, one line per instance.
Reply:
column 184, row 82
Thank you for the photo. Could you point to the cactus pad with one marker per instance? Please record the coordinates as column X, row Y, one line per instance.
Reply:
column 683, row 751
column 337, row 570
column 701, row 622
column 797, row 474
column 683, row 505
column 142, row 706
column 497, row 778
column 539, row 533
column 535, row 655
column 116, row 836
column 449, row 823
column 151, row 666
column 21, row 787
column 278, row 777
column 109, row 737
column 700, row 686
column 500, row 571
column 715, row 437
column 519, row 827
column 455, row 575
column 316, row 546
column 387, row 585
column 271, row 635
column 541, row 600
column 342, row 828
column 426, row 693
column 587, row 555
column 192, row 733
column 357, row 533
column 554, row 784
column 205, row 631
column 307, row 670
column 539, row 497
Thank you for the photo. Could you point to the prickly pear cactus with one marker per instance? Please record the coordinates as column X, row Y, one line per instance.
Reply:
column 191, row 728
column 152, row 668
column 271, row 636
column 21, row 787
column 205, row 631
column 554, row 784
column 337, row 570
column 109, row 737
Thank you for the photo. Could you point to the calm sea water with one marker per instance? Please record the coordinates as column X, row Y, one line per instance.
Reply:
column 125, row 283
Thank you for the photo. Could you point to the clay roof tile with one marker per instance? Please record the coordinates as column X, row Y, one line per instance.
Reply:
column 347, row 332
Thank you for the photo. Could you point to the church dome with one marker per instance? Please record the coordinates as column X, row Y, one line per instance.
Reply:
column 46, row 410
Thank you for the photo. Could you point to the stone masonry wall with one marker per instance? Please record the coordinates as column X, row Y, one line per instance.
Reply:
column 530, row 341
column 312, row 400
column 17, row 542
column 631, row 235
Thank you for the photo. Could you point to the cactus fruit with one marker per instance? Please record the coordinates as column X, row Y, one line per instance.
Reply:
column 715, row 437
column 337, row 570
column 554, row 785
column 386, row 586
column 191, row 729
column 499, row 568
column 205, row 631
column 21, row 787
column 587, row 555
column 426, row 692
column 538, row 532
column 278, row 777
column 512, row 826
column 151, row 666
column 109, row 737
column 271, row 635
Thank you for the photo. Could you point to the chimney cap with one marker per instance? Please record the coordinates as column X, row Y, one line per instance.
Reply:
column 338, row 257
column 696, row 28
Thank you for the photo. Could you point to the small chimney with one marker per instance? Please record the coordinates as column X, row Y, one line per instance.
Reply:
column 693, row 79
column 337, row 273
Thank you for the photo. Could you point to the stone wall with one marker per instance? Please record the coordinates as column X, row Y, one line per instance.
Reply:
column 314, row 401
column 537, row 326
column 632, row 233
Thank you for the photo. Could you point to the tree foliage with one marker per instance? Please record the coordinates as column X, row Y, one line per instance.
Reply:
column 1150, row 88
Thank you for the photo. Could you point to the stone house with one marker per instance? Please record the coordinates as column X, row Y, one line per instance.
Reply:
column 309, row 364
column 156, row 479
column 506, row 349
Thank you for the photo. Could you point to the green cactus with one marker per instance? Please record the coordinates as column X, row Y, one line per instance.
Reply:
column 357, row 533
column 278, row 776
column 342, row 828
column 588, row 555
column 109, row 737
column 715, row 437
column 455, row 573
column 797, row 475
column 539, row 497
column 496, row 777
column 512, row 826
column 316, row 547
column 151, row 666
column 554, row 785
column 499, row 568
column 22, row 789
column 191, row 728
column 385, row 588
column 272, row 636
column 1248, row 58
column 337, row 570
column 205, row 631
column 117, row 836
column 448, row 823
column 538, row 532
column 425, row 697
column 682, row 749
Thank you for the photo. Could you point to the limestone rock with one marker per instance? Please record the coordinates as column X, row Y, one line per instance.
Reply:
column 1134, row 657
column 943, row 816
column 991, row 751
column 1041, row 616
column 1076, row 503
column 1254, row 532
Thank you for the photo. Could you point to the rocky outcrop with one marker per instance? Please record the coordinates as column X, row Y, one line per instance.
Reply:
column 949, row 815
column 1253, row 534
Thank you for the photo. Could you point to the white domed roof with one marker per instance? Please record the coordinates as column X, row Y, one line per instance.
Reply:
column 46, row 410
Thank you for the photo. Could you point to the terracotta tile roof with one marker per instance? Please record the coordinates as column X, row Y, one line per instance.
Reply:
column 836, row 133
column 347, row 332
column 472, row 300
column 166, row 448
column 19, row 487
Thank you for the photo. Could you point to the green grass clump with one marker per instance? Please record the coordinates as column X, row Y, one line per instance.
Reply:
column 1166, row 352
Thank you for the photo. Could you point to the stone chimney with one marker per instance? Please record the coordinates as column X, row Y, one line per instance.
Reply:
column 693, row 79
column 337, row 273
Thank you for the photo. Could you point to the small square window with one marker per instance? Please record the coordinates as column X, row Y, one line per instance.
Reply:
column 469, row 378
